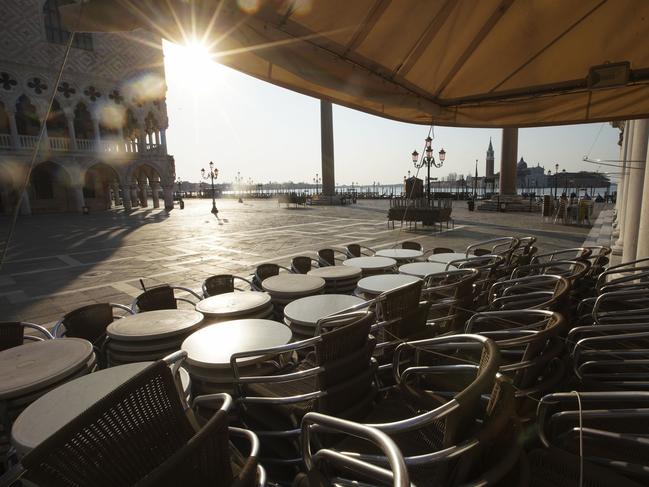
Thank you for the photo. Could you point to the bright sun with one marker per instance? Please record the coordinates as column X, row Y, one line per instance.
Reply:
column 198, row 54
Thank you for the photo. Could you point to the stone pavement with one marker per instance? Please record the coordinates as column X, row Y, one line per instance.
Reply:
column 60, row 262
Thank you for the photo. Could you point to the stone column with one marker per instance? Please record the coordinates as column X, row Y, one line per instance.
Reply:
column 13, row 129
column 5, row 196
column 622, row 192
column 126, row 196
column 508, row 162
column 155, row 187
column 643, row 228
column 72, row 133
column 25, row 206
column 167, row 191
column 142, row 192
column 115, row 186
column 97, row 132
column 135, row 201
column 77, row 196
column 327, row 148
column 620, row 181
column 141, row 140
column 634, row 189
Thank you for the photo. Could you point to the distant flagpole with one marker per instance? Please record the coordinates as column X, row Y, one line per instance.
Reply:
column 475, row 180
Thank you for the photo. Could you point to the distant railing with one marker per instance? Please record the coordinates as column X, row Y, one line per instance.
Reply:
column 28, row 141
column 85, row 144
column 111, row 145
column 5, row 140
column 59, row 143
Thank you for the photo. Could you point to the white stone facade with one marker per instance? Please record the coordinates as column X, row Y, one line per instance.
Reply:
column 104, row 143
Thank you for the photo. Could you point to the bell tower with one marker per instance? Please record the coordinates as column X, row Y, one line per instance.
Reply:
column 490, row 161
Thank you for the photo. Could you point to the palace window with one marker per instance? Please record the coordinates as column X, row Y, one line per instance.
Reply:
column 56, row 33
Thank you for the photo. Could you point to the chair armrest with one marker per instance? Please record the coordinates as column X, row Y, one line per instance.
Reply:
column 221, row 397
column 398, row 474
column 190, row 291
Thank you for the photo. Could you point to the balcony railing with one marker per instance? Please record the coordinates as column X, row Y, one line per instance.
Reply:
column 64, row 144
column 5, row 141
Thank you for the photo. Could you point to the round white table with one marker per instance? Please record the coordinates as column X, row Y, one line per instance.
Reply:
column 211, row 347
column 306, row 312
column 400, row 255
column 446, row 258
column 422, row 269
column 36, row 366
column 289, row 285
column 154, row 325
column 52, row 411
column 371, row 265
column 339, row 279
column 375, row 285
column 233, row 304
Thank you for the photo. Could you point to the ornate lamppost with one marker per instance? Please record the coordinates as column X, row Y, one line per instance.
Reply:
column 428, row 160
column 316, row 180
column 180, row 188
column 212, row 174
column 556, row 179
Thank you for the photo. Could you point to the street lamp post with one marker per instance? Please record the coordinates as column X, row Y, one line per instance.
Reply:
column 556, row 179
column 428, row 160
column 180, row 188
column 212, row 174
column 316, row 180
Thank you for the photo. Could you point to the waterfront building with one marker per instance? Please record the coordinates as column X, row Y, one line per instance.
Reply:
column 104, row 143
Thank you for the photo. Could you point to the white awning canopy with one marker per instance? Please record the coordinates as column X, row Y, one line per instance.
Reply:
column 475, row 63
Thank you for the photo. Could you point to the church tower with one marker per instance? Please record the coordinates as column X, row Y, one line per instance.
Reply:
column 490, row 161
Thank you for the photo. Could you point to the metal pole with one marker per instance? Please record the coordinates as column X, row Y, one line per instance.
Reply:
column 428, row 180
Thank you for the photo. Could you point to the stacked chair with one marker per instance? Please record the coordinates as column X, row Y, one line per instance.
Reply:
column 514, row 367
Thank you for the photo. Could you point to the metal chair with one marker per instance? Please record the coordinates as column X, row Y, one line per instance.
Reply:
column 89, row 322
column 327, row 257
column 356, row 250
column 303, row 264
column 161, row 297
column 12, row 333
column 451, row 295
column 141, row 434
column 327, row 466
column 576, row 253
column 411, row 245
column 264, row 271
column 221, row 283
column 502, row 246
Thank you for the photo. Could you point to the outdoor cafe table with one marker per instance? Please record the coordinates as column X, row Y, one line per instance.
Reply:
column 32, row 369
column 302, row 315
column 446, row 258
column 400, row 255
column 422, row 269
column 58, row 407
column 151, row 335
column 339, row 279
column 210, row 348
column 371, row 265
column 285, row 288
column 372, row 286
column 236, row 305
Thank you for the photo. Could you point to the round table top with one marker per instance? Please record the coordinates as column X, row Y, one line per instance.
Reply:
column 37, row 365
column 307, row 311
column 212, row 346
column 370, row 263
column 233, row 304
column 52, row 411
column 384, row 282
column 335, row 272
column 293, row 284
column 422, row 269
column 446, row 258
column 152, row 325
column 400, row 254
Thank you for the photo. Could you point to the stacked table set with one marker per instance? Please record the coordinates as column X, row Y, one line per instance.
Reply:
column 29, row 371
column 370, row 266
column 370, row 287
column 285, row 288
column 302, row 315
column 150, row 336
column 236, row 305
column 210, row 348
column 338, row 279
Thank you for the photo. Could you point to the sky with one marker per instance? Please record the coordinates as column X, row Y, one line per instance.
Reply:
column 267, row 133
